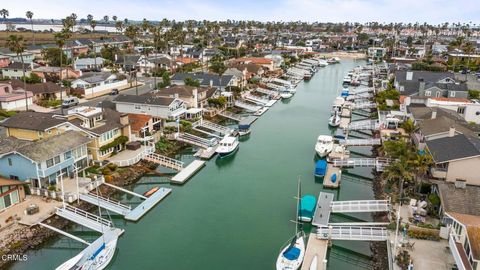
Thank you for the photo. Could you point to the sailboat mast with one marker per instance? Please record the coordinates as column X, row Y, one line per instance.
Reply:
column 298, row 205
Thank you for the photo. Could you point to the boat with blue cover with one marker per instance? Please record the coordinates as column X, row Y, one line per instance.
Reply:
column 307, row 208
column 245, row 124
column 321, row 168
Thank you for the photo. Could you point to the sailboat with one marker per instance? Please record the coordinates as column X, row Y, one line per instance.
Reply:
column 291, row 256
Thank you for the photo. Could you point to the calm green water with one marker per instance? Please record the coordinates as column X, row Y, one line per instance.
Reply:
column 234, row 214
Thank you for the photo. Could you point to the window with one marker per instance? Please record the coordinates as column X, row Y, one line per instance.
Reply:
column 50, row 163
column 137, row 107
column 57, row 159
column 428, row 93
column 452, row 94
column 10, row 162
column 461, row 110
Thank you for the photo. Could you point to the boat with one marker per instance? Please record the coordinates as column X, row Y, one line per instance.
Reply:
column 334, row 120
column 333, row 60
column 324, row 145
column 307, row 208
column 286, row 94
column 337, row 105
column 227, row 146
column 320, row 168
column 322, row 63
column 151, row 191
column 102, row 257
column 291, row 256
column 345, row 92
column 346, row 80
column 314, row 263
column 244, row 125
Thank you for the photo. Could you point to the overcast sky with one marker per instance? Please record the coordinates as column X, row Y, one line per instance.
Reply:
column 431, row 11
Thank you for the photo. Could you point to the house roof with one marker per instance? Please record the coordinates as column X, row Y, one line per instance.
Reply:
column 145, row 99
column 19, row 65
column 33, row 121
column 204, row 78
column 459, row 200
column 37, row 88
column 181, row 90
column 95, row 77
column 110, row 121
column 10, row 182
column 138, row 121
column 89, row 61
column 131, row 59
column 442, row 124
column 452, row 148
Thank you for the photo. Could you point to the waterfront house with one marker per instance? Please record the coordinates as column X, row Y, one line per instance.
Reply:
column 261, row 61
column 155, row 106
column 127, row 62
column 109, row 129
column 41, row 162
column 205, row 79
column 89, row 64
column 4, row 61
column 11, row 192
column 13, row 99
column 426, row 84
column 94, row 84
column 460, row 212
column 376, row 53
column 32, row 126
column 194, row 97
column 455, row 157
column 143, row 125
column 239, row 76
column 14, row 70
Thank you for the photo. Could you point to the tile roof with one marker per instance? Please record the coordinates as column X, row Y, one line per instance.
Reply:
column 452, row 148
column 10, row 182
column 138, row 121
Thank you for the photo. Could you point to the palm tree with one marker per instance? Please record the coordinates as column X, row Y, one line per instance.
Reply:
column 60, row 39
column 17, row 44
column 105, row 18
column 93, row 24
column 29, row 15
column 119, row 26
column 89, row 19
column 4, row 13
column 73, row 19
column 115, row 18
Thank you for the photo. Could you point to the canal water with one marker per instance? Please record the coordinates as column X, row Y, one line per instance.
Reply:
column 236, row 212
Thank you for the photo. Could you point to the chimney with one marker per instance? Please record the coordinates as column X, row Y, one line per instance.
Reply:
column 124, row 119
column 421, row 87
column 409, row 75
column 195, row 97
column 116, row 57
column 434, row 114
column 460, row 183
column 451, row 132
column 211, row 83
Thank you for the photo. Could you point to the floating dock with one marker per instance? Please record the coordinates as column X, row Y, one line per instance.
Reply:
column 206, row 153
column 327, row 180
column 148, row 204
column 344, row 122
column 187, row 172
column 315, row 247
column 322, row 212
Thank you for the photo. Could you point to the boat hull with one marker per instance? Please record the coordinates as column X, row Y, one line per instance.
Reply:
column 228, row 153
column 285, row 264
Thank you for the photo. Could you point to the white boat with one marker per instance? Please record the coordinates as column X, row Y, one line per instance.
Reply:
column 347, row 80
column 333, row 60
column 227, row 146
column 324, row 145
column 314, row 263
column 101, row 259
column 334, row 120
column 322, row 63
column 291, row 256
column 286, row 94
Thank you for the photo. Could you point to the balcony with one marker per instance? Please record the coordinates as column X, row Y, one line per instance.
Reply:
column 458, row 253
column 57, row 167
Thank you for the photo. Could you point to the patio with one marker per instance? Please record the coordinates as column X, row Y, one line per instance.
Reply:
column 130, row 157
column 18, row 214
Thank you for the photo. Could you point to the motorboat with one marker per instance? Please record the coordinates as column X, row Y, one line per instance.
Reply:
column 291, row 256
column 322, row 63
column 333, row 60
column 324, row 145
column 346, row 80
column 227, row 146
column 334, row 120
column 338, row 105
column 320, row 168
column 244, row 125
column 307, row 208
column 286, row 94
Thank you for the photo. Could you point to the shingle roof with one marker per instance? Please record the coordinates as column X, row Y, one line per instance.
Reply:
column 37, row 88
column 95, row 77
column 459, row 200
column 181, row 90
column 33, row 121
column 204, row 78
column 145, row 99
column 452, row 148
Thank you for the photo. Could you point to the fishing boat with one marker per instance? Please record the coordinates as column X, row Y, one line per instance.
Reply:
column 324, row 145
column 227, row 146
column 291, row 256
column 320, row 168
column 307, row 208
column 334, row 120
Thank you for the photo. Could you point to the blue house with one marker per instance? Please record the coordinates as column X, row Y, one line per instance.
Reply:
column 42, row 162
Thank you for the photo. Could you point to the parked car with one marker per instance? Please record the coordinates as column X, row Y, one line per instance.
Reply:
column 114, row 92
column 69, row 102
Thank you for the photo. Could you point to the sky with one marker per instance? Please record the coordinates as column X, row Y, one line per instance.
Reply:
column 430, row 11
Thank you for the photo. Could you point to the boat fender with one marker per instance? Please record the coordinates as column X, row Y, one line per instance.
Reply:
column 325, row 235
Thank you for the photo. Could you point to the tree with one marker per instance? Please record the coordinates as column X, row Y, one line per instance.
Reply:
column 29, row 15
column 191, row 82
column 60, row 39
column 4, row 13
column 16, row 44
column 52, row 56
column 93, row 24
column 105, row 18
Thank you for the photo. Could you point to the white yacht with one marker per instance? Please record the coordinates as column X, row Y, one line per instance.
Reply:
column 334, row 120
column 286, row 94
column 324, row 145
column 337, row 105
column 227, row 146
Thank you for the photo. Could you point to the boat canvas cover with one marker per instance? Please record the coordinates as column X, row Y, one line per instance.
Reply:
column 95, row 254
column 292, row 253
column 321, row 167
column 339, row 134
column 307, row 206
column 246, row 122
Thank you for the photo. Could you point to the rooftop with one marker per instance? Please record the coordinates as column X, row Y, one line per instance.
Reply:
column 145, row 99
column 453, row 148
column 33, row 121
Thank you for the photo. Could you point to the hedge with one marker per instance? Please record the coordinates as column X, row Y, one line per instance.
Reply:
column 423, row 233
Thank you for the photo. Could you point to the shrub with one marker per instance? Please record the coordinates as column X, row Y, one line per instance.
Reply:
column 112, row 167
column 108, row 178
column 403, row 259
column 434, row 199
column 92, row 169
column 423, row 233
column 47, row 103
column 106, row 171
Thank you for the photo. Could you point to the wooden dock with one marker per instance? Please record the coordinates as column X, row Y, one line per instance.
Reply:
column 321, row 216
column 148, row 204
column 344, row 122
column 315, row 247
column 338, row 152
column 331, row 170
column 187, row 172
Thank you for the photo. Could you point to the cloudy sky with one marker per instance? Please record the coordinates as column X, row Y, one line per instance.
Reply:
column 431, row 11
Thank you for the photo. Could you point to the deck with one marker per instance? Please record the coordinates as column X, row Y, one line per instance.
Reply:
column 107, row 203
column 322, row 212
column 206, row 153
column 315, row 247
column 187, row 172
column 148, row 204
column 84, row 218
column 353, row 233
column 360, row 206
column 331, row 170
